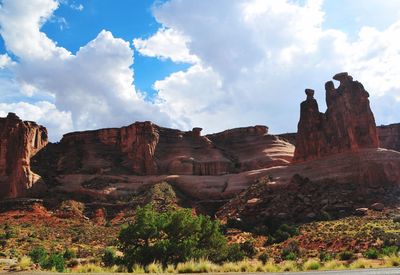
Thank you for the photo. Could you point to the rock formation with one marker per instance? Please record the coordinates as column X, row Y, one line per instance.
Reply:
column 389, row 136
column 347, row 125
column 19, row 141
column 144, row 149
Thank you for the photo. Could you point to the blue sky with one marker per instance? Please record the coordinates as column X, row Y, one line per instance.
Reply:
column 86, row 64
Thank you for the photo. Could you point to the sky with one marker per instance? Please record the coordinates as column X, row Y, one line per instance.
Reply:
column 86, row 64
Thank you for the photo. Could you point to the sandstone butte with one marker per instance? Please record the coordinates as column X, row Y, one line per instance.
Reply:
column 337, row 163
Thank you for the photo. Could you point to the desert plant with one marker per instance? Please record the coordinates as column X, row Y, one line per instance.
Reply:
column 154, row 268
column 263, row 257
column 108, row 257
column 173, row 236
column 24, row 263
column 38, row 254
column 312, row 264
column 69, row 254
column 346, row 255
column 371, row 253
column 324, row 256
column 55, row 260
column 389, row 250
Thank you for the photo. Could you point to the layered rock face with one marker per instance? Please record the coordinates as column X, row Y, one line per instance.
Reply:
column 389, row 136
column 147, row 149
column 347, row 125
column 338, row 165
column 19, row 141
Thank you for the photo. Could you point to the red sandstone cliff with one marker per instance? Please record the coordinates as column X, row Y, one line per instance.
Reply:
column 19, row 141
column 347, row 125
column 144, row 148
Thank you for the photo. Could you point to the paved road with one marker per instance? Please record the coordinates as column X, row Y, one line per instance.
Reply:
column 381, row 271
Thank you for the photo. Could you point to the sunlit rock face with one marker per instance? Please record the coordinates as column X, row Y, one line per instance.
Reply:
column 146, row 149
column 348, row 124
column 19, row 142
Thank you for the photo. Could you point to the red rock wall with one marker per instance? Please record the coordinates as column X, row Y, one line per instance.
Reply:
column 19, row 141
column 147, row 149
column 389, row 136
column 347, row 125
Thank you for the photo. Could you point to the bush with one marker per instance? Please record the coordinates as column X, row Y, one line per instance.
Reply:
column 234, row 253
column 312, row 264
column 108, row 257
column 263, row 258
column 248, row 248
column 55, row 260
column 371, row 253
column 38, row 254
column 389, row 250
column 346, row 255
column 325, row 257
column 173, row 236
column 289, row 256
column 24, row 263
column 69, row 254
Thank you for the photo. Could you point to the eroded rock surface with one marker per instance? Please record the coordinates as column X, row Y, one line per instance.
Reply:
column 19, row 141
column 146, row 149
column 347, row 125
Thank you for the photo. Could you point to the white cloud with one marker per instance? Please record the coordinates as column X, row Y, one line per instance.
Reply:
column 42, row 112
column 166, row 43
column 94, row 86
column 77, row 7
column 263, row 54
column 5, row 61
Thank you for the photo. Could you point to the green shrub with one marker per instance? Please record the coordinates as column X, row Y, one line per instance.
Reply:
column 38, row 254
column 389, row 250
column 346, row 255
column 55, row 260
column 108, row 257
column 263, row 258
column 234, row 253
column 371, row 253
column 69, row 254
column 173, row 236
column 312, row 264
column 325, row 257
column 289, row 256
column 248, row 248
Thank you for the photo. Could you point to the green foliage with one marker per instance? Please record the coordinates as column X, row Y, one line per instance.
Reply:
column 248, row 248
column 346, row 255
column 108, row 257
column 289, row 256
column 389, row 250
column 325, row 257
column 69, row 254
column 371, row 253
column 55, row 260
column 38, row 254
column 263, row 258
column 283, row 233
column 171, row 237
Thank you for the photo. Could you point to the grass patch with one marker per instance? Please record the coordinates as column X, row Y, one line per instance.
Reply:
column 312, row 264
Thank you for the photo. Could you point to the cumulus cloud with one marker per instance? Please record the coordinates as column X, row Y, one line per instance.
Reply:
column 256, row 57
column 42, row 111
column 166, row 43
column 94, row 86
